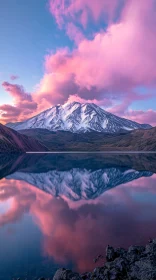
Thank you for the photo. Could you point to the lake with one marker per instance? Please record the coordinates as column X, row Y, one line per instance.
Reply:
column 62, row 210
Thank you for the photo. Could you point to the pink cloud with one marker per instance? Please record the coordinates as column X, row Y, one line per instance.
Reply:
column 111, row 65
column 123, row 107
column 141, row 116
column 74, row 33
column 82, row 10
column 14, row 77
column 24, row 105
column 104, row 102
column 9, row 113
column 105, row 69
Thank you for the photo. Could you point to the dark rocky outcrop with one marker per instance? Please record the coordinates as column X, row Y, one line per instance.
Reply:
column 64, row 274
column 136, row 263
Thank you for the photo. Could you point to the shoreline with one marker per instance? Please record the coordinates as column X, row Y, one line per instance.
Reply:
column 94, row 152
column 135, row 263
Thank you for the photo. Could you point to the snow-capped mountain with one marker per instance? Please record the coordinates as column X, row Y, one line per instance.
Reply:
column 77, row 183
column 77, row 117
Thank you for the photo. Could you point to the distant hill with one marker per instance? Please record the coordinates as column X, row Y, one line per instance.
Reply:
column 136, row 140
column 12, row 141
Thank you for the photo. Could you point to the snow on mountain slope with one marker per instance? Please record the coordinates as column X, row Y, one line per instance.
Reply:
column 77, row 117
column 77, row 184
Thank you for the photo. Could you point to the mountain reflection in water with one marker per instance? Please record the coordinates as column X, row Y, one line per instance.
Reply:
column 63, row 210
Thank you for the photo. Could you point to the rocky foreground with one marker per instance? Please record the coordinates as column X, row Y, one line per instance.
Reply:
column 136, row 263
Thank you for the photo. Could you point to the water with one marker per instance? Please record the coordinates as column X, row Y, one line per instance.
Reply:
column 62, row 210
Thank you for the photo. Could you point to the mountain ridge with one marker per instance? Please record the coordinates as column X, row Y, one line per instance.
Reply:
column 12, row 141
column 78, row 118
column 136, row 140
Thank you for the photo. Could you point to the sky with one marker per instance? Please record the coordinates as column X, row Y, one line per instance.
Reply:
column 57, row 51
column 122, row 216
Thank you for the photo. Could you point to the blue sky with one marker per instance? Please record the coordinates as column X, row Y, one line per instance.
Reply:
column 29, row 31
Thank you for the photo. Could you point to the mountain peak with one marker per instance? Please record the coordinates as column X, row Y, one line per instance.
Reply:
column 78, row 117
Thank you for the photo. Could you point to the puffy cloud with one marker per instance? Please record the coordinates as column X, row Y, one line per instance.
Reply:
column 104, row 102
column 106, row 69
column 111, row 65
column 24, row 105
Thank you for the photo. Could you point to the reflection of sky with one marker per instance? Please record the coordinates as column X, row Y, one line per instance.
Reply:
column 20, row 250
column 40, row 226
column 144, row 197
column 4, row 206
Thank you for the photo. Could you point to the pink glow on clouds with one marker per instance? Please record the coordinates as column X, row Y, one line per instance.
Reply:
column 74, row 33
column 111, row 65
column 104, row 102
column 70, row 232
column 106, row 69
column 140, row 116
column 23, row 103
column 112, row 60
column 82, row 10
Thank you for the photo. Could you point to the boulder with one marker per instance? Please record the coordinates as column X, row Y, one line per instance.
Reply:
column 136, row 263
column 110, row 254
column 66, row 274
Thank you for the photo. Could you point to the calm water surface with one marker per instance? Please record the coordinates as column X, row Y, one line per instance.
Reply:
column 63, row 210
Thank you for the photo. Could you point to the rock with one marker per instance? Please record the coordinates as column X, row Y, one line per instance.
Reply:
column 114, row 274
column 120, row 252
column 121, row 264
column 99, row 257
column 134, row 253
column 138, row 262
column 84, row 276
column 66, row 274
column 110, row 254
column 136, row 249
column 151, row 248
column 143, row 270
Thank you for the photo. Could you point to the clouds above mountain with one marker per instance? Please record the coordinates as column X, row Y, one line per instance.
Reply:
column 141, row 116
column 114, row 54
column 23, row 103
column 83, row 11
column 110, row 65
column 115, row 60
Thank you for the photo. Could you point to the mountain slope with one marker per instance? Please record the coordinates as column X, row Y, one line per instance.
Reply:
column 12, row 141
column 137, row 140
column 77, row 184
column 77, row 117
